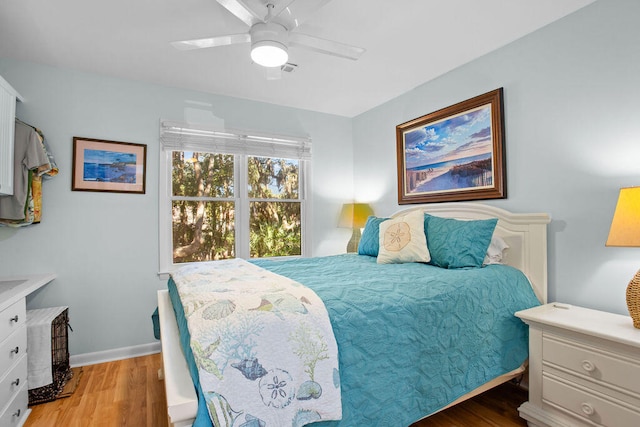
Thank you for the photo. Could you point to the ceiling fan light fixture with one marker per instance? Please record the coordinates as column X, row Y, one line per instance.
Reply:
column 269, row 53
column 269, row 43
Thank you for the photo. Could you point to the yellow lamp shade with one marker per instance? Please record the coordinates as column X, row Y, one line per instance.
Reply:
column 625, row 226
column 354, row 215
column 625, row 231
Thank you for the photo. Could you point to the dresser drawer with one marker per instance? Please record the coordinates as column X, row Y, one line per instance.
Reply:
column 587, row 406
column 12, row 349
column 592, row 363
column 12, row 318
column 17, row 410
column 13, row 381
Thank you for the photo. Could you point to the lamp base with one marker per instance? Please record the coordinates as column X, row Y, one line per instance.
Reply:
column 633, row 299
column 352, row 246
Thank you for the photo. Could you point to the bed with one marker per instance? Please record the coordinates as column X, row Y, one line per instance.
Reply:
column 435, row 375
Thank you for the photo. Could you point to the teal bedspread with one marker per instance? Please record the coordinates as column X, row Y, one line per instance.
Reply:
column 411, row 337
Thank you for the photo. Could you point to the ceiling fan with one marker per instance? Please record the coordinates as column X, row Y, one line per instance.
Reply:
column 271, row 33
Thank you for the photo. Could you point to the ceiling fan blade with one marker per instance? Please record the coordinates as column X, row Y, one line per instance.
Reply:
column 297, row 11
column 212, row 41
column 325, row 46
column 292, row 13
column 242, row 11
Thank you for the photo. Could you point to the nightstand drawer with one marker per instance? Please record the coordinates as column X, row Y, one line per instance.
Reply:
column 587, row 406
column 591, row 362
column 12, row 318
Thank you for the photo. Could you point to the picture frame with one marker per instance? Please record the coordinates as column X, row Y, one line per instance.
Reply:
column 454, row 154
column 108, row 166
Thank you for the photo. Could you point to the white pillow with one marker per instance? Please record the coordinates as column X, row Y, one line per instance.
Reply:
column 495, row 250
column 402, row 239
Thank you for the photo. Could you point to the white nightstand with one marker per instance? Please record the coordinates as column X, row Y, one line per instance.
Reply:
column 584, row 368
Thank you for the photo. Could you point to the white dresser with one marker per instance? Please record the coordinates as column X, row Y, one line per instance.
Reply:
column 14, row 394
column 584, row 368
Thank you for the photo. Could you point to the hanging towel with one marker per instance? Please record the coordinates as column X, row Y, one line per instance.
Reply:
column 39, row 345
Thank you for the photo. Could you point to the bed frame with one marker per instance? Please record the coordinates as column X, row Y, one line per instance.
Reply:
column 526, row 235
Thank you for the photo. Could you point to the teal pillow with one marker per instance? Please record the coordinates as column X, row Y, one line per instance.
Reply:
column 455, row 243
column 370, row 241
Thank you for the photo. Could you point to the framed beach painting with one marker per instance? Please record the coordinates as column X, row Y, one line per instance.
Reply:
column 112, row 166
column 453, row 154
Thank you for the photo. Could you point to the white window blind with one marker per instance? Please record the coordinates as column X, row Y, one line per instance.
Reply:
column 187, row 137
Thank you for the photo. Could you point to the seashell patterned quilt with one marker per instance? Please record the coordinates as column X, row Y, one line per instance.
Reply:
column 262, row 343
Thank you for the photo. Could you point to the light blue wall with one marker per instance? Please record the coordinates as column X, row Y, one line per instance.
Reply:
column 104, row 246
column 572, row 114
column 572, row 94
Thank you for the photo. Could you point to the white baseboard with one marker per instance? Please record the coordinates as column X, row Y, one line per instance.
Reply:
column 114, row 354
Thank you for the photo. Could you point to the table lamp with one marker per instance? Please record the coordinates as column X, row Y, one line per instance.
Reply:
column 354, row 216
column 625, row 231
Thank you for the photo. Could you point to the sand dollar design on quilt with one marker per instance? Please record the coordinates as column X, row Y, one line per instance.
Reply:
column 277, row 388
column 397, row 237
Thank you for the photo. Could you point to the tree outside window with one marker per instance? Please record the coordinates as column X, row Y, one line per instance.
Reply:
column 206, row 203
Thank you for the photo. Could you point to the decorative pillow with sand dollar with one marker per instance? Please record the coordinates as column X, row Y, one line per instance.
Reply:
column 402, row 239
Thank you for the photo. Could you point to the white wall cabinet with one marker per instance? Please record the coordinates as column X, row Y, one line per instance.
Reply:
column 584, row 368
column 8, row 98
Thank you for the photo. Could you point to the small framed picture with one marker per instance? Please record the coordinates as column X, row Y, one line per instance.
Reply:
column 453, row 154
column 110, row 166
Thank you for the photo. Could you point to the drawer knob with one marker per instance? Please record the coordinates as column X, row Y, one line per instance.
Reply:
column 587, row 409
column 17, row 413
column 16, row 382
column 588, row 366
column 16, row 350
column 14, row 319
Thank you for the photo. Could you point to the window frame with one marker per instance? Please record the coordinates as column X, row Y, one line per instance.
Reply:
column 240, row 144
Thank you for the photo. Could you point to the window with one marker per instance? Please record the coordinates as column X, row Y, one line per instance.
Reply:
column 275, row 220
column 226, row 195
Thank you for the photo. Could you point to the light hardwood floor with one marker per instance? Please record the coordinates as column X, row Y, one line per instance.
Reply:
column 122, row 393
column 128, row 393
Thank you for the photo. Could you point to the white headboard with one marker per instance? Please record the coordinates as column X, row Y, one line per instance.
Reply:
column 525, row 233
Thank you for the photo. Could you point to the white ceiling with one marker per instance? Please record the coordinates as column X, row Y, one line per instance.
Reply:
column 407, row 42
